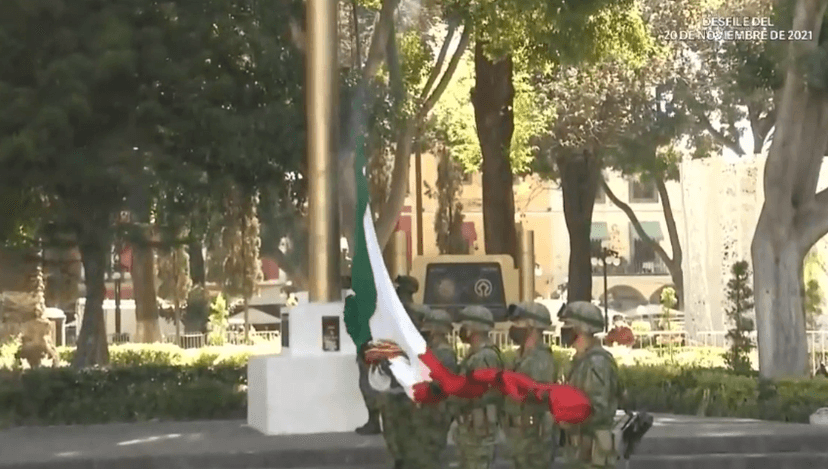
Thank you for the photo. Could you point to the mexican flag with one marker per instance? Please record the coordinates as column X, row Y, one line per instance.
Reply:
column 375, row 313
column 376, row 320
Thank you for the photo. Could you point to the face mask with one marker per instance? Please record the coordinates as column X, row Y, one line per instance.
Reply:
column 464, row 335
column 518, row 334
column 568, row 336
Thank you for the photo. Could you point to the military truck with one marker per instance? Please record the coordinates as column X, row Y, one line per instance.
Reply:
column 452, row 282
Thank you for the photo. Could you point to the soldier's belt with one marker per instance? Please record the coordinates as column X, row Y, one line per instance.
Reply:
column 522, row 421
column 480, row 416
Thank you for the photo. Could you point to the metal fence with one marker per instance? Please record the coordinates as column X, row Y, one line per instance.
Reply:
column 817, row 341
column 198, row 340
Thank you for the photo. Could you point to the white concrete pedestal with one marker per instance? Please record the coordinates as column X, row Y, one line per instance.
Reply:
column 820, row 417
column 305, row 389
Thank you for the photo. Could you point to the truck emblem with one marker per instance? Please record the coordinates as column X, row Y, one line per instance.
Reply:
column 483, row 288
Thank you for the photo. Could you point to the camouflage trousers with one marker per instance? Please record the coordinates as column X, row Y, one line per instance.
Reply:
column 585, row 455
column 428, row 439
column 475, row 446
column 530, row 446
column 395, row 412
column 413, row 440
column 369, row 394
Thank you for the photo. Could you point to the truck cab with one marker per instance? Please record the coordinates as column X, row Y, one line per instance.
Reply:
column 452, row 282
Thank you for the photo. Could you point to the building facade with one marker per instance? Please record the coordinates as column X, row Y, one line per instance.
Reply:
column 539, row 207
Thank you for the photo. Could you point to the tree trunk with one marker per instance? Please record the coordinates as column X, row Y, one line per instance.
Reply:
column 198, row 271
column 493, row 97
column 147, row 329
column 673, row 263
column 794, row 217
column 356, row 123
column 780, row 325
column 580, row 176
column 92, row 347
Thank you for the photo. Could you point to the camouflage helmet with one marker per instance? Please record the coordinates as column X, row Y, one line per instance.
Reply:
column 407, row 284
column 584, row 316
column 417, row 312
column 531, row 314
column 476, row 318
column 437, row 320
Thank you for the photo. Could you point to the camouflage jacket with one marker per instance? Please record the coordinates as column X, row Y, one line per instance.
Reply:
column 596, row 374
column 438, row 415
column 539, row 364
column 487, row 356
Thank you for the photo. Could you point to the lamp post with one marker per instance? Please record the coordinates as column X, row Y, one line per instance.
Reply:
column 606, row 257
column 117, row 277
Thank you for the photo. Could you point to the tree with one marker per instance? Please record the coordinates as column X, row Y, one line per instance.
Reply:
column 120, row 95
column 740, row 296
column 174, row 281
column 242, row 268
column 814, row 295
column 813, row 304
column 448, row 221
column 793, row 216
column 537, row 33
column 725, row 84
column 416, row 98
column 592, row 111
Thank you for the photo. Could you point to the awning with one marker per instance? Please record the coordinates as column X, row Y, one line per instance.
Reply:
column 652, row 228
column 599, row 232
column 469, row 232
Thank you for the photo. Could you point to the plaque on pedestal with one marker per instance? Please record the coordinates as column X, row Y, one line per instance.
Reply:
column 330, row 333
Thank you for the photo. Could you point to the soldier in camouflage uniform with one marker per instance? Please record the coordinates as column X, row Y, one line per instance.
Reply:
column 397, row 409
column 406, row 287
column 477, row 419
column 591, row 444
column 431, row 423
column 371, row 398
column 531, row 436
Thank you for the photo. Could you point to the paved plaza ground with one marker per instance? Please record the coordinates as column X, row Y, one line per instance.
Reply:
column 674, row 442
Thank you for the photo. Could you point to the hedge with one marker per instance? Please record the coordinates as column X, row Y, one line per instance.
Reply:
column 146, row 382
column 49, row 396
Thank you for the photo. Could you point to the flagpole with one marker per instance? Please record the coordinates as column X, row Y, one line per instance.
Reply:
column 321, row 92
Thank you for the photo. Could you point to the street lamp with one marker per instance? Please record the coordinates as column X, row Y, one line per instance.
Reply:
column 117, row 277
column 606, row 257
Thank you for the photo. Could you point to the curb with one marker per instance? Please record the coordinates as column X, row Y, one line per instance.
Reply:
column 373, row 457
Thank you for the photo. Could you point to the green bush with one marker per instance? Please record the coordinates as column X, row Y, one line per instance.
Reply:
column 49, row 396
column 8, row 354
column 135, row 354
column 157, row 381
column 718, row 392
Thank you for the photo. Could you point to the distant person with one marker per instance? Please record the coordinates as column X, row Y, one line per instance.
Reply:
column 406, row 287
column 621, row 333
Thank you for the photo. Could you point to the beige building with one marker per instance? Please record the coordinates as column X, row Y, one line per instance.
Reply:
column 539, row 206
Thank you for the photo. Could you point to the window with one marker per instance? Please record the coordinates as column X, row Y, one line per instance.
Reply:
column 600, row 196
column 468, row 177
column 644, row 258
column 643, row 191
column 643, row 252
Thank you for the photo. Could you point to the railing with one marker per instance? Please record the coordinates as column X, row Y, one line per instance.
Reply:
column 817, row 341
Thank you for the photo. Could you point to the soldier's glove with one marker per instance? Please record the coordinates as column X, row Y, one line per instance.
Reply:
column 435, row 389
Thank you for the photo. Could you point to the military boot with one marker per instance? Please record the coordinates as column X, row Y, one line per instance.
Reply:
column 372, row 427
